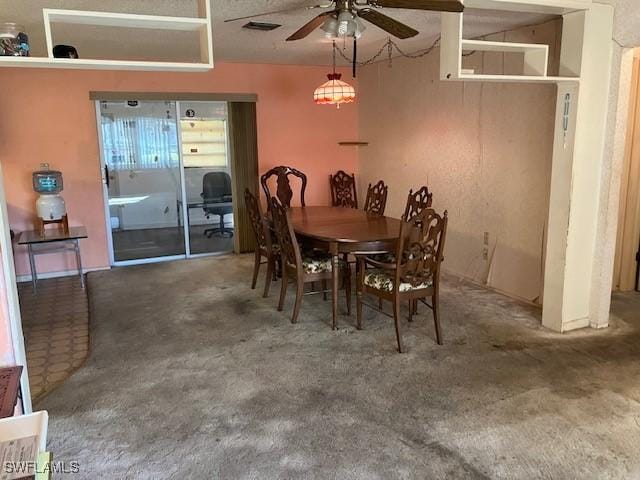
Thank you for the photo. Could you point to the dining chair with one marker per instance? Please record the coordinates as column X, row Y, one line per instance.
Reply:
column 265, row 248
column 284, row 193
column 302, row 267
column 415, row 277
column 343, row 190
column 417, row 202
column 376, row 201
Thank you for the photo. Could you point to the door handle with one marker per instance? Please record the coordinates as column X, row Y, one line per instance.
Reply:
column 106, row 175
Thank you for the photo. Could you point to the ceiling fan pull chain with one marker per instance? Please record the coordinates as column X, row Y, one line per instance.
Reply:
column 334, row 56
column 355, row 56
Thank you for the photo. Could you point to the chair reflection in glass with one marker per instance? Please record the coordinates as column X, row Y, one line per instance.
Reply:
column 216, row 194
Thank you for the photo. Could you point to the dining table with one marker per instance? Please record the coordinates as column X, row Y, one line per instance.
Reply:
column 342, row 230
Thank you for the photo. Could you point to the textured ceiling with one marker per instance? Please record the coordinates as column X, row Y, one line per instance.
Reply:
column 231, row 42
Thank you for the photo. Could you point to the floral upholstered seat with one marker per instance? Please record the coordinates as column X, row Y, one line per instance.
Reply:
column 383, row 280
column 388, row 257
column 316, row 262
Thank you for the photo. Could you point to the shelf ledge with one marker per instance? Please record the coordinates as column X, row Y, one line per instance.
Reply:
column 109, row 19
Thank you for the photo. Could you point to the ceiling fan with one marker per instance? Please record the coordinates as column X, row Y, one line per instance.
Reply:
column 343, row 19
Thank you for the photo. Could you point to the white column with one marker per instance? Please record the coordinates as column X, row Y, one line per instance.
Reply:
column 577, row 167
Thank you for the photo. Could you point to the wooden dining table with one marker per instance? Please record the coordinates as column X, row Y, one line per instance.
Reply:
column 340, row 230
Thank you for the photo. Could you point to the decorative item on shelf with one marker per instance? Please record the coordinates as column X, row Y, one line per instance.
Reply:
column 335, row 91
column 13, row 41
column 65, row 51
column 50, row 206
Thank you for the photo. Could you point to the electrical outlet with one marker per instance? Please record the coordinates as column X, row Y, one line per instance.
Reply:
column 486, row 238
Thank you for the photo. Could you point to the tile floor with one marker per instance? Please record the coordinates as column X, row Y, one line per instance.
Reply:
column 55, row 321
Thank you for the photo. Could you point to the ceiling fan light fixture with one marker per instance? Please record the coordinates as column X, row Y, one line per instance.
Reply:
column 330, row 27
column 346, row 24
column 360, row 28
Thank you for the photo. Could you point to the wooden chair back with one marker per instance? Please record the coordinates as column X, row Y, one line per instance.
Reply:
column 289, row 248
column 343, row 190
column 284, row 193
column 376, row 201
column 417, row 202
column 260, row 229
column 420, row 248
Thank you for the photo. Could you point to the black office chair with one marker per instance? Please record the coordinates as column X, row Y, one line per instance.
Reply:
column 216, row 193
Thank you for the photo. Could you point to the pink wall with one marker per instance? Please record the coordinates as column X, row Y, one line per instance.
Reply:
column 46, row 116
column 6, row 343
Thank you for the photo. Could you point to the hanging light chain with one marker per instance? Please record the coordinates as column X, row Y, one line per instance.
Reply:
column 390, row 46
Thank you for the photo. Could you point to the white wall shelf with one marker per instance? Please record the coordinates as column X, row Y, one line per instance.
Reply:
column 108, row 19
column 90, row 64
column 201, row 25
column 553, row 7
column 452, row 46
column 536, row 56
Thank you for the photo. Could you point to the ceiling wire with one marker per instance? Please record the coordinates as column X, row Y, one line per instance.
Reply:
column 389, row 46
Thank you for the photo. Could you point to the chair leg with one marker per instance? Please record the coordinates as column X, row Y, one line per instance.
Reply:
column 324, row 289
column 411, row 310
column 296, row 307
column 380, row 303
column 269, row 277
column 283, row 289
column 347, row 283
column 396, row 320
column 436, row 318
column 359, row 284
column 256, row 269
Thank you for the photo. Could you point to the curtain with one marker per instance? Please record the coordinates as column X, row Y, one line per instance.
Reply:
column 139, row 142
column 244, row 167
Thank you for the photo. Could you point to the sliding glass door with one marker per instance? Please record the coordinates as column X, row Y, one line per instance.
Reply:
column 207, row 177
column 141, row 157
column 167, row 179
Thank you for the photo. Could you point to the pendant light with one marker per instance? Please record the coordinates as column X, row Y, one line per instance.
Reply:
column 335, row 91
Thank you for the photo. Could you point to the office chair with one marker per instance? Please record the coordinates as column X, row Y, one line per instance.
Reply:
column 216, row 193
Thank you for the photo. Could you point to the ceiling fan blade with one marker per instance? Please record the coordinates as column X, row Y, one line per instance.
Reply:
column 284, row 10
column 387, row 24
column 309, row 27
column 435, row 5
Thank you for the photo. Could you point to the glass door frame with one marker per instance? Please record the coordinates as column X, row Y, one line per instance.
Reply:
column 183, row 193
column 185, row 206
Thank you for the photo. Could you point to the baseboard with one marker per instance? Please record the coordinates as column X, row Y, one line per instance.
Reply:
column 490, row 288
column 576, row 324
column 64, row 273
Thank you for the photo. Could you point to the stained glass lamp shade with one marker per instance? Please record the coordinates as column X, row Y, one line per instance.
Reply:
column 334, row 92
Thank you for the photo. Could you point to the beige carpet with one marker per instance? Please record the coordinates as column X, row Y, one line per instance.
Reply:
column 55, row 322
column 192, row 375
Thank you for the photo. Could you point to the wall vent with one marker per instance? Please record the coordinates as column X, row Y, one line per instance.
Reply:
column 262, row 26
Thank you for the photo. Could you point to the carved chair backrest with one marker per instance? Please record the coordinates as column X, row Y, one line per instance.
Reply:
column 289, row 248
column 260, row 229
column 420, row 248
column 417, row 202
column 343, row 190
column 284, row 193
column 376, row 201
